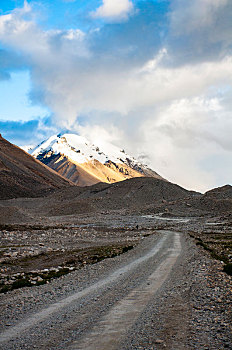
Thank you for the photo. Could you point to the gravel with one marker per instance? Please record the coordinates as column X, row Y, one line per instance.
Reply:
column 190, row 310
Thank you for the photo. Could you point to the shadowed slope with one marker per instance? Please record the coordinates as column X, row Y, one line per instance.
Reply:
column 130, row 194
column 223, row 192
column 23, row 176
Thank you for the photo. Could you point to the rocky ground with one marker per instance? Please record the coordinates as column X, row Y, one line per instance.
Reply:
column 33, row 254
column 50, row 245
column 190, row 311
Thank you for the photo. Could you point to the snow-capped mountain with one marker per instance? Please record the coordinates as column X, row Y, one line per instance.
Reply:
column 77, row 159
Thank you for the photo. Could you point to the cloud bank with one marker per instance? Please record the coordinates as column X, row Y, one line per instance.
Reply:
column 160, row 81
column 27, row 133
column 114, row 10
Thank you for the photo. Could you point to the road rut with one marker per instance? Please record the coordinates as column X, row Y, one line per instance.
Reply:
column 109, row 332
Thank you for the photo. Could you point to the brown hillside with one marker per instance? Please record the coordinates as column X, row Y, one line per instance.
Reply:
column 224, row 192
column 23, row 176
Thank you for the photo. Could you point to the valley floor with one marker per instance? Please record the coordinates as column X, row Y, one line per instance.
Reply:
column 165, row 293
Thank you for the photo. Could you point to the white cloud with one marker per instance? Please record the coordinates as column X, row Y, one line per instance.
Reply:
column 114, row 9
column 201, row 27
column 197, row 15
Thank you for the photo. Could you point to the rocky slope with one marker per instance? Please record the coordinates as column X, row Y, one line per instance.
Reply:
column 132, row 194
column 223, row 192
column 85, row 164
column 23, row 176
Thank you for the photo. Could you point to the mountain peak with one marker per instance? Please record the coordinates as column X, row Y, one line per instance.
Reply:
column 84, row 163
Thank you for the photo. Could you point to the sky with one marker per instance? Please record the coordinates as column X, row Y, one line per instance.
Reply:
column 153, row 77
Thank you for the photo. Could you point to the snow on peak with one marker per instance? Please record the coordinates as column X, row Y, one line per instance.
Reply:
column 80, row 150
column 27, row 148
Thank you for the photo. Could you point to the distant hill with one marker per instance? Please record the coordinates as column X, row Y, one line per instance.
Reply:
column 85, row 164
column 224, row 192
column 215, row 202
column 23, row 176
column 132, row 194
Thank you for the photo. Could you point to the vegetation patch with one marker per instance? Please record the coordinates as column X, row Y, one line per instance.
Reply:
column 218, row 245
column 30, row 227
column 228, row 269
column 76, row 260
column 213, row 253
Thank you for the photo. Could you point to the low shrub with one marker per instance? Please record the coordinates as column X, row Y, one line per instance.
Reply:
column 228, row 269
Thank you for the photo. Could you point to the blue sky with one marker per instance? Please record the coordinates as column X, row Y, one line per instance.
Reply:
column 14, row 101
column 155, row 76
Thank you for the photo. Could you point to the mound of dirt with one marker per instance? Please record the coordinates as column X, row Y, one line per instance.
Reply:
column 217, row 201
column 23, row 176
column 209, row 206
column 199, row 205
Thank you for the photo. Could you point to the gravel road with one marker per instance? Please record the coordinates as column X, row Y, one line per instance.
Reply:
column 147, row 298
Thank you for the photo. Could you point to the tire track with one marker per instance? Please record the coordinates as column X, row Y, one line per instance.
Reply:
column 111, row 330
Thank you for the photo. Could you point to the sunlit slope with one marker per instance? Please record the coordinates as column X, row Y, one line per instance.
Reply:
column 75, row 158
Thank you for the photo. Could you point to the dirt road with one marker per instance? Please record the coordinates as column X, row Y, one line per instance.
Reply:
column 119, row 303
